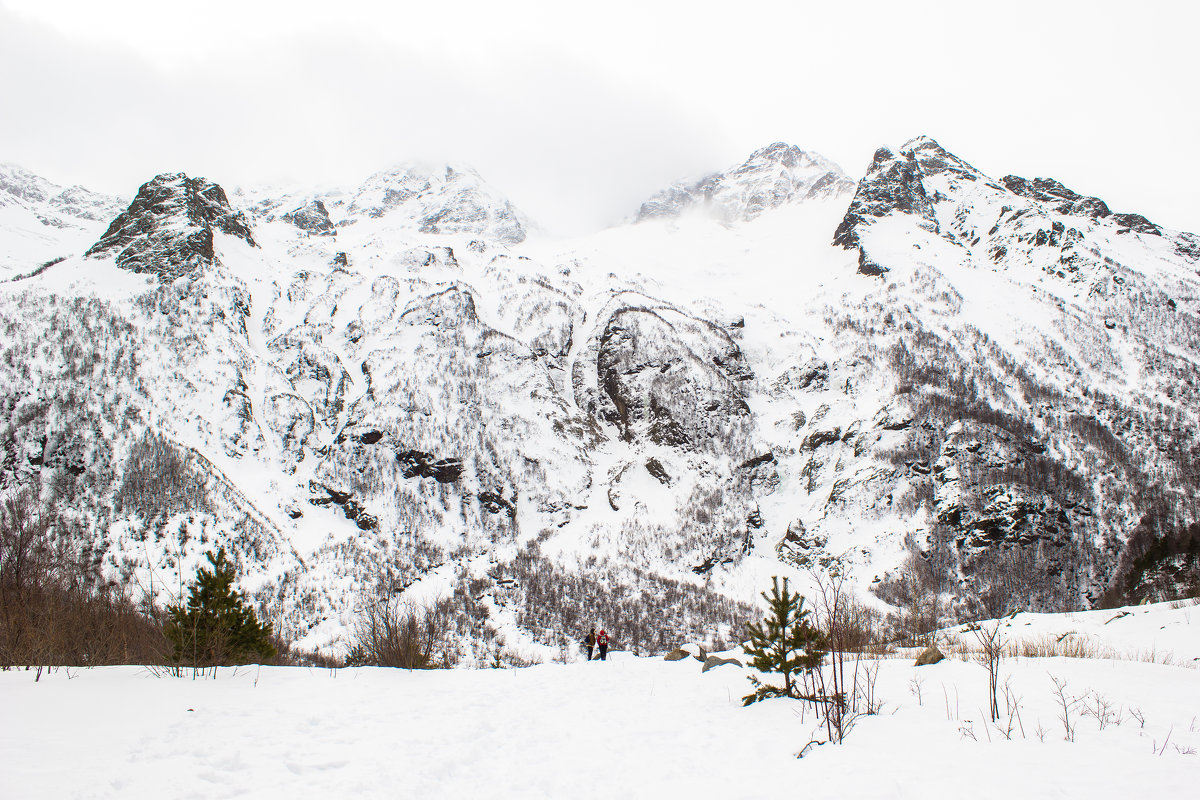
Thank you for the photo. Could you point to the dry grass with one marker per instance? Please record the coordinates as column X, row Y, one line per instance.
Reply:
column 1067, row 645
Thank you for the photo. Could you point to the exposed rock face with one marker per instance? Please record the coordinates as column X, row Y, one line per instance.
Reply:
column 168, row 228
column 423, row 257
column 312, row 219
column 415, row 464
column 892, row 185
column 663, row 375
column 712, row 662
column 773, row 176
column 996, row 220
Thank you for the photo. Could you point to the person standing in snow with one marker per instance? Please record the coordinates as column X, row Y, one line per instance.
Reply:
column 589, row 641
column 602, row 640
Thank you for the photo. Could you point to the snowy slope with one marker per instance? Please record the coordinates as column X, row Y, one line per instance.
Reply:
column 41, row 221
column 629, row 727
column 402, row 389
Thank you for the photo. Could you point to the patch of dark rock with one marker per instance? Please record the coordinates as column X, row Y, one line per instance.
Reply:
column 370, row 437
column 1062, row 199
column 1188, row 246
column 664, row 430
column 754, row 520
column 324, row 495
column 814, row 374
column 655, row 468
column 415, row 464
column 341, row 259
column 821, row 438
column 313, row 219
column 494, row 503
column 892, row 184
column 757, row 461
column 1138, row 223
column 869, row 266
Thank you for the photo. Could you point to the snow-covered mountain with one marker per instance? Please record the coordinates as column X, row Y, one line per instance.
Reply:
column 944, row 384
column 42, row 221
column 776, row 175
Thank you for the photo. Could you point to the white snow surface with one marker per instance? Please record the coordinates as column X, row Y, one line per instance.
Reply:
column 628, row 727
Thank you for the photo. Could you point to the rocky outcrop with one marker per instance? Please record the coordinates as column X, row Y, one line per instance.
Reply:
column 892, row 185
column 712, row 662
column 689, row 650
column 312, row 218
column 415, row 464
column 665, row 376
column 169, row 227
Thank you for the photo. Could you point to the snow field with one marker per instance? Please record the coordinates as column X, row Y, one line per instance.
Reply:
column 631, row 727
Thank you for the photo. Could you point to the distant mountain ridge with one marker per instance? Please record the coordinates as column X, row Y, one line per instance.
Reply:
column 41, row 220
column 772, row 176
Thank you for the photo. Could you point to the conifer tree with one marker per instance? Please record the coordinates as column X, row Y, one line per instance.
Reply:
column 784, row 642
column 216, row 627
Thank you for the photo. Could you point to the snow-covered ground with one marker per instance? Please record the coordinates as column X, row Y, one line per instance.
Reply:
column 630, row 727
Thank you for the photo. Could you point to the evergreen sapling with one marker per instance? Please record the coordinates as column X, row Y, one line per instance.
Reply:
column 784, row 642
column 216, row 627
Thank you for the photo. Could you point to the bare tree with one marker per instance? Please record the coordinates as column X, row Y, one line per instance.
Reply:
column 991, row 648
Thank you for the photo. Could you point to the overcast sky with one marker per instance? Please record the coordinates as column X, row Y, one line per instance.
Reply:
column 578, row 115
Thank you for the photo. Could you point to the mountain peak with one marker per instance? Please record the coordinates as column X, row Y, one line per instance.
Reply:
column 772, row 176
column 441, row 199
column 168, row 228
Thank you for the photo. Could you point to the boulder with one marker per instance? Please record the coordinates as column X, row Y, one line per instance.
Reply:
column 719, row 661
column 689, row 650
column 931, row 655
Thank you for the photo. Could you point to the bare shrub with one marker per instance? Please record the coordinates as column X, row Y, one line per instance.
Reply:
column 54, row 611
column 1066, row 705
column 392, row 633
column 991, row 648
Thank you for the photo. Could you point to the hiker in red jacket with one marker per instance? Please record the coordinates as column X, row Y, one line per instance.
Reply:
column 602, row 641
column 589, row 642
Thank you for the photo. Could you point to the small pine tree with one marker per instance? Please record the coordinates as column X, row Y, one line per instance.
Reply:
column 216, row 627
column 784, row 642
